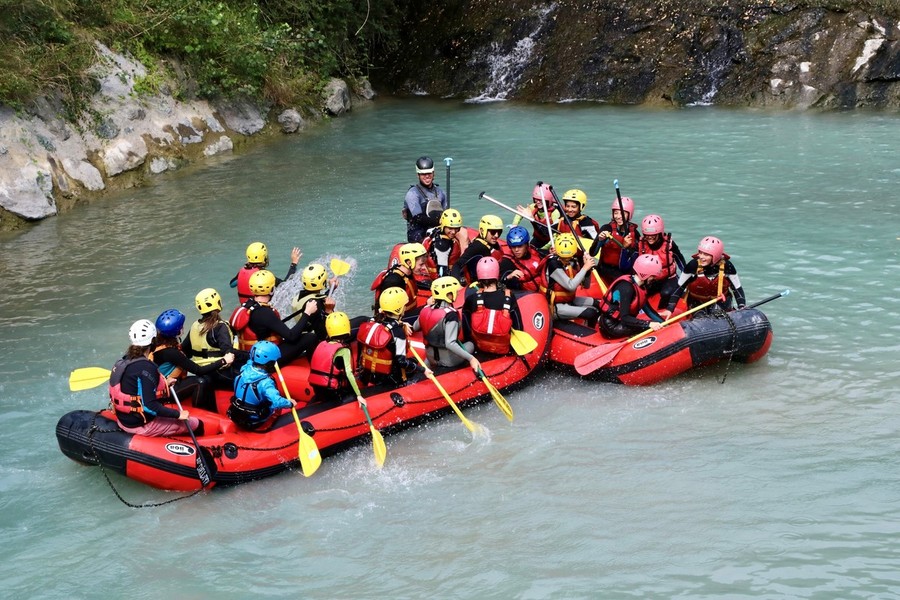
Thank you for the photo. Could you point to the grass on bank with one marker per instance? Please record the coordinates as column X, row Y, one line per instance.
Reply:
column 281, row 50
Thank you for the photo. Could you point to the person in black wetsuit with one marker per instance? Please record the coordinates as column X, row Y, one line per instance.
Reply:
column 491, row 311
column 626, row 297
column 187, row 378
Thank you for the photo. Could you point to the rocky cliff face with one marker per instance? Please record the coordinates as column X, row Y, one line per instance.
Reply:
column 748, row 53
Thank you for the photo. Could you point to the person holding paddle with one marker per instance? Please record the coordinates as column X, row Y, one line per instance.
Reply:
column 383, row 342
column 137, row 390
column 655, row 240
column 541, row 196
column 560, row 278
column 424, row 202
column 211, row 338
column 617, row 235
column 256, row 397
column 709, row 274
column 331, row 364
column 491, row 310
column 574, row 202
column 441, row 326
column 258, row 259
column 626, row 297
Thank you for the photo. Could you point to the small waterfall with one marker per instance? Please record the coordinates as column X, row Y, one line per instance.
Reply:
column 506, row 69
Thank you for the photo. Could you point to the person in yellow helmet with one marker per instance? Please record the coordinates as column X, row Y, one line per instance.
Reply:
column 562, row 275
column 486, row 244
column 210, row 339
column 446, row 243
column 411, row 258
column 257, row 259
column 574, row 202
column 331, row 364
column 382, row 344
column 256, row 319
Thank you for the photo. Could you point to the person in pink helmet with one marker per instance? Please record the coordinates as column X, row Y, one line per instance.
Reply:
column 617, row 235
column 626, row 297
column 541, row 195
column 654, row 240
column 490, row 309
column 708, row 275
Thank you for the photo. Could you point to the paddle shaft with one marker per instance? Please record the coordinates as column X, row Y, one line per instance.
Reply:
column 202, row 469
column 512, row 210
column 540, row 184
column 625, row 219
column 469, row 425
column 307, row 450
column 584, row 252
column 447, row 162
column 769, row 299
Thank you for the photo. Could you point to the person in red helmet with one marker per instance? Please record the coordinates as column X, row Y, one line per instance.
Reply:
column 708, row 275
column 626, row 297
column 654, row 240
column 541, row 195
column 491, row 310
column 617, row 235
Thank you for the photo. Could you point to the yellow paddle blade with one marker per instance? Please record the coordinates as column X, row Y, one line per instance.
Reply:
column 339, row 267
column 308, row 452
column 473, row 427
column 522, row 342
column 378, row 446
column 87, row 378
column 501, row 402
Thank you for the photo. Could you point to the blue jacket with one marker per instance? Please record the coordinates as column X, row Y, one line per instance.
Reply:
column 254, row 385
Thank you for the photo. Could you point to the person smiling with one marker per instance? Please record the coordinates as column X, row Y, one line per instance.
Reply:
column 709, row 275
column 424, row 203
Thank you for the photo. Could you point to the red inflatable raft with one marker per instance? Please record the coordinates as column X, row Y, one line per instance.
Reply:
column 236, row 456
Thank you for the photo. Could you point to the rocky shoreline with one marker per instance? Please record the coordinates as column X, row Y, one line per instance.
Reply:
column 48, row 164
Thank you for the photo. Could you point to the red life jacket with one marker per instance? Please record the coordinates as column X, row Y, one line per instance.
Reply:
column 703, row 288
column 411, row 289
column 531, row 268
column 126, row 403
column 491, row 327
column 375, row 351
column 610, row 251
column 323, row 369
column 429, row 318
column 243, row 283
column 556, row 293
column 664, row 253
column 240, row 323
column 614, row 309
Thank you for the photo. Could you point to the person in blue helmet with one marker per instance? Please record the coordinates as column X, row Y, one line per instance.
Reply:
column 256, row 397
column 521, row 264
column 186, row 377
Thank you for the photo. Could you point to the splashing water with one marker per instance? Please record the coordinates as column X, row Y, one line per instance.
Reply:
column 289, row 290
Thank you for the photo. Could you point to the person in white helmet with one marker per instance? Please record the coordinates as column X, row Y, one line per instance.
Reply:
column 137, row 390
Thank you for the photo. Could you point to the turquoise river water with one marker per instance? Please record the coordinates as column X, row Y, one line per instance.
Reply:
column 780, row 482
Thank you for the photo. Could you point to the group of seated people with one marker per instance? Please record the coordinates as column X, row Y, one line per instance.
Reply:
column 631, row 263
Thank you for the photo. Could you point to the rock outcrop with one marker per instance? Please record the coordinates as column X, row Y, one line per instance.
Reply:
column 747, row 53
column 48, row 164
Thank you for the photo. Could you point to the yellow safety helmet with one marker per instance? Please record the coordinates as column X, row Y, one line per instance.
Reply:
column 314, row 277
column 410, row 252
column 393, row 300
column 575, row 196
column 257, row 254
column 565, row 245
column 262, row 283
column 451, row 218
column 337, row 323
column 445, row 288
column 208, row 300
column 489, row 222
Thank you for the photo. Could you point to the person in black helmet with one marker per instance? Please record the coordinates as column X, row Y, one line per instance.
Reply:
column 424, row 203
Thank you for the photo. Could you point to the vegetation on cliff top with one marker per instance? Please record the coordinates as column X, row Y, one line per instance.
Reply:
column 280, row 50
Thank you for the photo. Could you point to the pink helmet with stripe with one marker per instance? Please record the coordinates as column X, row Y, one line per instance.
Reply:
column 647, row 265
column 652, row 225
column 627, row 205
column 543, row 188
column 712, row 246
column 487, row 268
